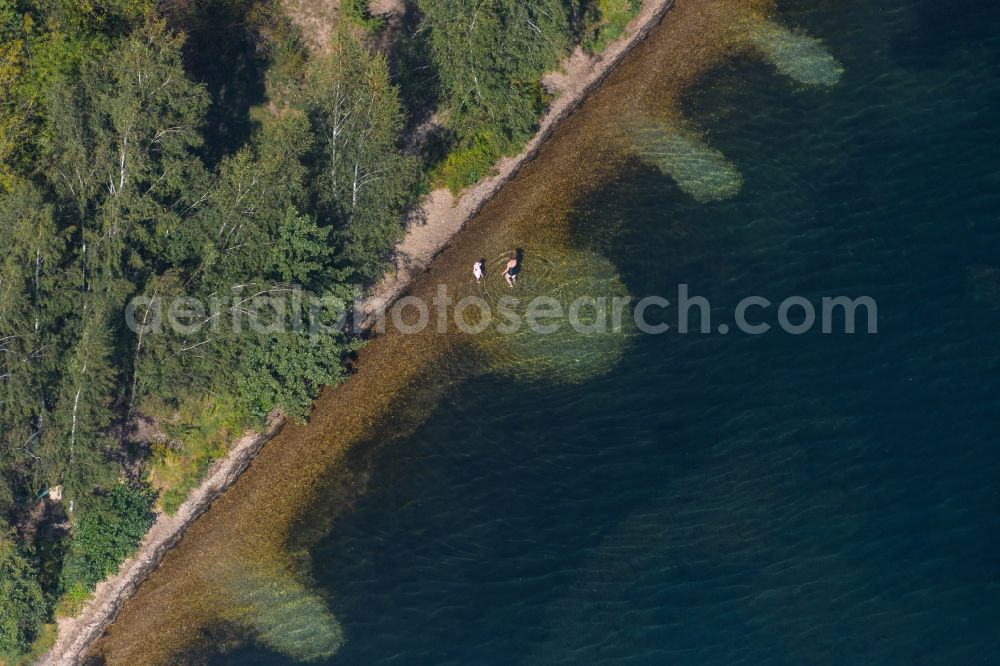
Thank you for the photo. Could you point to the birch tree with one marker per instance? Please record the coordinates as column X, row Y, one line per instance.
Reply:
column 490, row 55
column 30, row 306
column 73, row 447
column 363, row 179
column 121, row 149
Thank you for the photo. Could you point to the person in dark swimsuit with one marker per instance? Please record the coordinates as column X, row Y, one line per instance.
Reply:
column 513, row 268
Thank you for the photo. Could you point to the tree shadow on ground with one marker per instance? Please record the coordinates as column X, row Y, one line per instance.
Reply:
column 224, row 51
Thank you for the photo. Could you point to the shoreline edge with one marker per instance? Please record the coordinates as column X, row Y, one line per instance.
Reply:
column 446, row 216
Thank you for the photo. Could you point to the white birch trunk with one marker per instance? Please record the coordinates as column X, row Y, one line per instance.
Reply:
column 76, row 405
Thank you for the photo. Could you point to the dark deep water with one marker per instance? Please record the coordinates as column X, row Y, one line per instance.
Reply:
column 737, row 499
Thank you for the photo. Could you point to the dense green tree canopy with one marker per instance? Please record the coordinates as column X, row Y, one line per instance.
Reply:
column 491, row 55
column 364, row 181
column 23, row 608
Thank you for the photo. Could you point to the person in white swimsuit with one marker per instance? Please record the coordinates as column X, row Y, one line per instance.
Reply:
column 477, row 269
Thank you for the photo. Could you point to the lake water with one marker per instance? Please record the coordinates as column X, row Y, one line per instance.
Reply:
column 731, row 498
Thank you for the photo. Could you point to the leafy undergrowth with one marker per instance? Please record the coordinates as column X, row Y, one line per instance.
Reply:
column 72, row 601
column 357, row 12
column 607, row 21
column 474, row 158
column 465, row 165
column 46, row 638
column 110, row 526
column 198, row 432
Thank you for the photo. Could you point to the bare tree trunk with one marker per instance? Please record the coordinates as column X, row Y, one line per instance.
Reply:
column 354, row 187
column 72, row 430
column 138, row 348
column 38, row 269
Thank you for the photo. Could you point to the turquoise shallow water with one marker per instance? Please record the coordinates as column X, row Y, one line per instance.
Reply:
column 734, row 499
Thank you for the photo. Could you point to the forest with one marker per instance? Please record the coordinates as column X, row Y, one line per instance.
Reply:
column 199, row 148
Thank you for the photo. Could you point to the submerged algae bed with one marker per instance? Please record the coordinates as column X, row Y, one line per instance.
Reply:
column 241, row 564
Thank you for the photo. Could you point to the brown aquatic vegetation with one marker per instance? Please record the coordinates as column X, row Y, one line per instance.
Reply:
column 238, row 556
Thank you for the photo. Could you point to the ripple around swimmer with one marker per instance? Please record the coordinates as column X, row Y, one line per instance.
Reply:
column 494, row 287
column 581, row 281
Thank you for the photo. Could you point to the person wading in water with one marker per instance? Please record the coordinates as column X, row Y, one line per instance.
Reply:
column 513, row 268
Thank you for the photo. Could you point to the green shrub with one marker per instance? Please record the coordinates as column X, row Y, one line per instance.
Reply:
column 73, row 600
column 489, row 59
column 199, row 431
column 46, row 638
column 605, row 21
column 357, row 12
column 109, row 528
column 466, row 164
column 22, row 607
